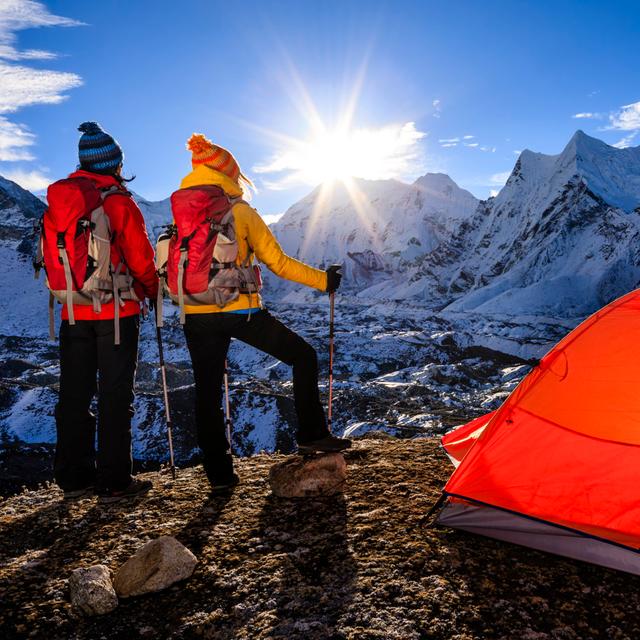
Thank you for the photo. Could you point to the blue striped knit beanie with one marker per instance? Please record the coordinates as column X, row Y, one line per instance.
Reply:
column 98, row 152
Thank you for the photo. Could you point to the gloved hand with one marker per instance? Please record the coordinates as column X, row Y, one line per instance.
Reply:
column 333, row 277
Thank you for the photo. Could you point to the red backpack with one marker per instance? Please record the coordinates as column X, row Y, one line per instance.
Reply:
column 196, row 256
column 76, row 250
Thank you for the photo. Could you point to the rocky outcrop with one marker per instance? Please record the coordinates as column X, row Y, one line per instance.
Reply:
column 155, row 566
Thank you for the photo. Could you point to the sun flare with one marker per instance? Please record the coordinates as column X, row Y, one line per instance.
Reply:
column 333, row 155
column 329, row 155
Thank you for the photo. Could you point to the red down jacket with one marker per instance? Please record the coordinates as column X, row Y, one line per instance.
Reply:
column 131, row 241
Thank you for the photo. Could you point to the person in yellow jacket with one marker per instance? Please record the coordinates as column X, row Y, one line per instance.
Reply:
column 209, row 328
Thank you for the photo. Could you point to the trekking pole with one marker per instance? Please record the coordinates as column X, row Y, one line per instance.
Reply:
column 332, row 306
column 165, row 392
column 227, row 409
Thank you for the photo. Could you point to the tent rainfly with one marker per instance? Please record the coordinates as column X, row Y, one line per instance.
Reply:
column 557, row 466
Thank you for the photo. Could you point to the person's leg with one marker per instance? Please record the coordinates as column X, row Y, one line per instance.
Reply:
column 74, row 465
column 208, row 345
column 268, row 334
column 117, row 368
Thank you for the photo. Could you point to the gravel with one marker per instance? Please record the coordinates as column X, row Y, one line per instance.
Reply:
column 360, row 565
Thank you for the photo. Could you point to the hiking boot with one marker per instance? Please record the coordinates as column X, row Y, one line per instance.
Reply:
column 135, row 489
column 77, row 494
column 327, row 444
column 225, row 486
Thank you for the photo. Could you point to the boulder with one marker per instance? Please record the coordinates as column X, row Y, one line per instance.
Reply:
column 91, row 590
column 298, row 477
column 155, row 566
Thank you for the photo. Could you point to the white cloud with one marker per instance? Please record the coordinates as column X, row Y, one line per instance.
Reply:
column 464, row 140
column 31, row 180
column 392, row 151
column 493, row 193
column 437, row 108
column 587, row 115
column 626, row 141
column 16, row 15
column 627, row 118
column 500, row 178
column 14, row 141
column 22, row 85
column 517, row 151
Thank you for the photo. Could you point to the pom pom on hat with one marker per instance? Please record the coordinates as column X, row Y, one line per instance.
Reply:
column 90, row 128
column 199, row 144
column 203, row 151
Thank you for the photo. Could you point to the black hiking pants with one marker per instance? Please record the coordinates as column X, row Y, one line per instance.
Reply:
column 87, row 352
column 208, row 337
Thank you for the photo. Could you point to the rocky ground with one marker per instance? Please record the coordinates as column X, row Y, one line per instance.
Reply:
column 360, row 565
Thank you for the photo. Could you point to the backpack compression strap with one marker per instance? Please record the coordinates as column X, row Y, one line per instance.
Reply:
column 182, row 264
column 184, row 253
column 64, row 259
column 52, row 328
column 116, row 305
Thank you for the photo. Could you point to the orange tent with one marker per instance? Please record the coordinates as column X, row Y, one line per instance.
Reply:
column 557, row 467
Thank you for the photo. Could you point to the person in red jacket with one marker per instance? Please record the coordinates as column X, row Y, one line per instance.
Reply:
column 90, row 361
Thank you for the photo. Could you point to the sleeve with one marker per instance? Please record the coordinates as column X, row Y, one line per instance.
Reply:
column 134, row 244
column 268, row 250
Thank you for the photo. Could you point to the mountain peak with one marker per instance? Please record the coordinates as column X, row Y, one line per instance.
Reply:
column 611, row 173
column 581, row 143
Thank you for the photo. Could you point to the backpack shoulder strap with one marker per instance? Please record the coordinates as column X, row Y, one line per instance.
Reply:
column 115, row 190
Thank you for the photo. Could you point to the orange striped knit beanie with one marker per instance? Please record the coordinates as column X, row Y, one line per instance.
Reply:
column 205, row 152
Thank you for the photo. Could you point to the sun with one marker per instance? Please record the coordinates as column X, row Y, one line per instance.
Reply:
column 327, row 155
column 342, row 154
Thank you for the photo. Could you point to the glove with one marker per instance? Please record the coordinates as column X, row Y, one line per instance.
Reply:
column 333, row 277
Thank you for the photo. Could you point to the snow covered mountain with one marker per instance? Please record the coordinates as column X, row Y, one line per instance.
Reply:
column 377, row 229
column 561, row 238
column 157, row 214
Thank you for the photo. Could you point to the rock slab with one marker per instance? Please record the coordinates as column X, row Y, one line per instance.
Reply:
column 155, row 566
column 298, row 477
column 91, row 590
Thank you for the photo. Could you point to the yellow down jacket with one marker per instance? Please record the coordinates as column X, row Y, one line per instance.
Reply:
column 254, row 239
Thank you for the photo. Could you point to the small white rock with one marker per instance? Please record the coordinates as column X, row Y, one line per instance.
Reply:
column 91, row 590
column 155, row 566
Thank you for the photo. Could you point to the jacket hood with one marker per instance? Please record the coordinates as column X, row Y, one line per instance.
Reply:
column 101, row 181
column 202, row 174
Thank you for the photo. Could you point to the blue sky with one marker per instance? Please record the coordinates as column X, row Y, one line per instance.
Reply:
column 508, row 75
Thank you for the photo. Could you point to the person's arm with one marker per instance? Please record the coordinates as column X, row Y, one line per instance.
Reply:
column 268, row 250
column 134, row 244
